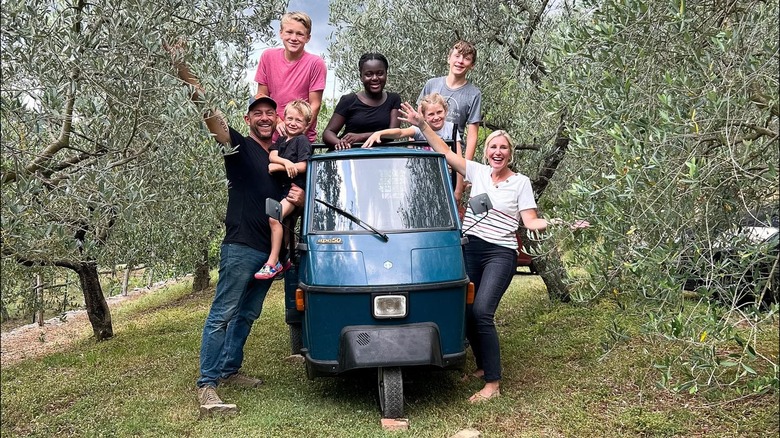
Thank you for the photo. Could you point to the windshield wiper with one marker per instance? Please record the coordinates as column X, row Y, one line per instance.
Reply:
column 354, row 219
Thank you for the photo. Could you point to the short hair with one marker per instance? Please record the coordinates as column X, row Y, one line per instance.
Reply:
column 302, row 107
column 300, row 17
column 433, row 99
column 370, row 57
column 499, row 133
column 465, row 48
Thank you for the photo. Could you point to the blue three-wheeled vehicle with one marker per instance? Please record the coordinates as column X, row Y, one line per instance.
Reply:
column 381, row 278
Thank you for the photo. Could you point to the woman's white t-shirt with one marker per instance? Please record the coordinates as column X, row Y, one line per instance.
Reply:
column 509, row 198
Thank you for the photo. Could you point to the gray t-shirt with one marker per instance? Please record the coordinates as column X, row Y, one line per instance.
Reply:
column 445, row 133
column 465, row 103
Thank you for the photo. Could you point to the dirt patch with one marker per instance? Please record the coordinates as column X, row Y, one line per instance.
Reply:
column 57, row 334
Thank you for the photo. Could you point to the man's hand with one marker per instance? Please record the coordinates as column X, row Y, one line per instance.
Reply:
column 281, row 129
column 296, row 196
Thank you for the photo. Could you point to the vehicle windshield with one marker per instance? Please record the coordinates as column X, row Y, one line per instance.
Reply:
column 390, row 193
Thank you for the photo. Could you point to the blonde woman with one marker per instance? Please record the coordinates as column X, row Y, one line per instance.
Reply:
column 491, row 251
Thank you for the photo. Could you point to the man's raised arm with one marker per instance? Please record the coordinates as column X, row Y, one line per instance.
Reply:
column 214, row 118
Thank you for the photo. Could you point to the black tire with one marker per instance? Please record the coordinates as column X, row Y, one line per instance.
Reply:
column 296, row 338
column 391, row 392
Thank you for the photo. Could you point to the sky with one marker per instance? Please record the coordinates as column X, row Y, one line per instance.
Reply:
column 318, row 10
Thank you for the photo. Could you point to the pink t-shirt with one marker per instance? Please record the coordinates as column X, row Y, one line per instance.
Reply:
column 287, row 81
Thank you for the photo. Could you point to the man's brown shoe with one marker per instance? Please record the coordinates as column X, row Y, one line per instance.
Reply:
column 240, row 379
column 211, row 403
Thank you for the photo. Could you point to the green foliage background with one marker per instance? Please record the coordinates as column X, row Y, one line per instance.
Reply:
column 670, row 108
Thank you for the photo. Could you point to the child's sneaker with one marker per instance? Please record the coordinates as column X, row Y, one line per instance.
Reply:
column 287, row 265
column 269, row 271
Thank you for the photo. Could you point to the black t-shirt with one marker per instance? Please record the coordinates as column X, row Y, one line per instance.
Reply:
column 360, row 118
column 249, row 184
column 296, row 149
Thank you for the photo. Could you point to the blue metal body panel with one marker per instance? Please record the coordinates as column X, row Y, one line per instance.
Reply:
column 341, row 270
column 365, row 260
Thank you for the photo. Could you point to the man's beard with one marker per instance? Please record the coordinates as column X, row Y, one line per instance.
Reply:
column 263, row 136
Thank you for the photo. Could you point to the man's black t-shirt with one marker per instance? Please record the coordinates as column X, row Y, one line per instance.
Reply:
column 249, row 184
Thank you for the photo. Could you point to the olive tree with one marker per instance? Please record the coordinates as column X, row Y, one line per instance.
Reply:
column 103, row 158
column 510, row 39
column 656, row 121
column 674, row 127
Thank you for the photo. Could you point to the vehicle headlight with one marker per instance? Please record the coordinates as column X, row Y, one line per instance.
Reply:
column 390, row 306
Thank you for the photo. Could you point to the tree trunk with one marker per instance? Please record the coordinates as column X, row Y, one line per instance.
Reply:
column 550, row 266
column 4, row 316
column 202, row 276
column 551, row 269
column 97, row 307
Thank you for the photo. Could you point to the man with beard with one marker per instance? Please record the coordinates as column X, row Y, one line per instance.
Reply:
column 239, row 297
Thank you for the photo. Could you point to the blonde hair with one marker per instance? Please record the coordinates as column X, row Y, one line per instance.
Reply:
column 433, row 99
column 302, row 107
column 300, row 17
column 465, row 48
column 495, row 134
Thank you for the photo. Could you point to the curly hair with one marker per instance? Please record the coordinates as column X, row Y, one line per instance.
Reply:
column 465, row 48
column 302, row 107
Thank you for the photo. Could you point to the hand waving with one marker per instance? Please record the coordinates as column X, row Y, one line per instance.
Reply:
column 410, row 115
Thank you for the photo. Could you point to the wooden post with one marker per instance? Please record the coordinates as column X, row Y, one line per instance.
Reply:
column 126, row 279
column 39, row 298
column 151, row 276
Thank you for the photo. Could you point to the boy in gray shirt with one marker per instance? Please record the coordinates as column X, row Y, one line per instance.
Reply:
column 463, row 98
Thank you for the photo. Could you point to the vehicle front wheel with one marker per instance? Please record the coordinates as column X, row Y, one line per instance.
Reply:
column 391, row 392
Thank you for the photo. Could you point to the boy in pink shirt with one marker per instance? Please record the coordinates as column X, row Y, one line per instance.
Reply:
column 288, row 73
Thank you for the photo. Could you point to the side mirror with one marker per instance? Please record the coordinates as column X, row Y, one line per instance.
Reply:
column 273, row 209
column 480, row 204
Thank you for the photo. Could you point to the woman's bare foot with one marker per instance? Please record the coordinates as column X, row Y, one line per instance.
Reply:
column 491, row 390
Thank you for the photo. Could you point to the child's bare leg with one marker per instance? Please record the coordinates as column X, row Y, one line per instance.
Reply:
column 287, row 208
column 277, row 232
column 276, row 241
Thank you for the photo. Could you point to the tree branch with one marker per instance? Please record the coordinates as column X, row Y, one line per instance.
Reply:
column 762, row 101
column 63, row 140
column 130, row 158
column 552, row 160
column 28, row 261
column 534, row 24
column 538, row 66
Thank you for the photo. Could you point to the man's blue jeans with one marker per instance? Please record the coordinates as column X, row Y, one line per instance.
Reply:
column 237, row 303
column 491, row 268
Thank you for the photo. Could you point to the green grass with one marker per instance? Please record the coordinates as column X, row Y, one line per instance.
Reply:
column 558, row 381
